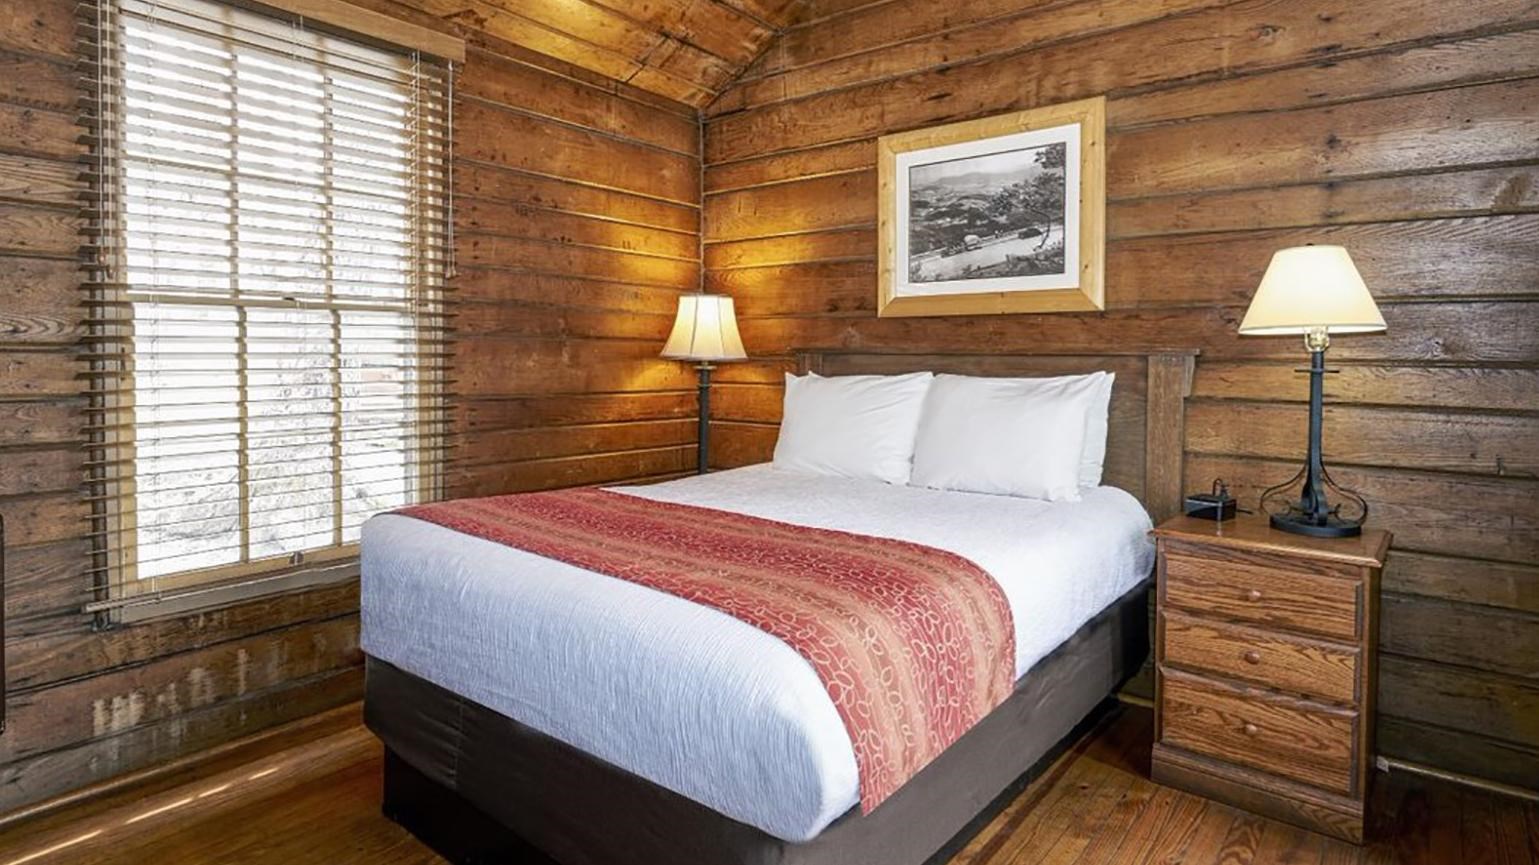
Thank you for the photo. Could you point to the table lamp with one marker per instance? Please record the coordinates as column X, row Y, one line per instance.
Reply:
column 1315, row 291
column 705, row 331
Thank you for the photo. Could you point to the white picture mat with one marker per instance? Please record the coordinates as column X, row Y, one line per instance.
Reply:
column 1069, row 135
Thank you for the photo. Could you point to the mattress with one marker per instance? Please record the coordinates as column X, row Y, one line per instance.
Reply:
column 690, row 698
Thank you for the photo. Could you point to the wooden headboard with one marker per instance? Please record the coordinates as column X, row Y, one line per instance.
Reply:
column 1146, row 430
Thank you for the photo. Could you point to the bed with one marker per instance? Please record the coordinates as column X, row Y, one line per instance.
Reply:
column 554, row 714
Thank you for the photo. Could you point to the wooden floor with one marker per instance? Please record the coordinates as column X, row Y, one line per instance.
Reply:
column 316, row 802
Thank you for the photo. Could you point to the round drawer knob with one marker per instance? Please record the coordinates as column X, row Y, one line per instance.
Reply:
column 1253, row 595
column 1252, row 656
column 1250, row 729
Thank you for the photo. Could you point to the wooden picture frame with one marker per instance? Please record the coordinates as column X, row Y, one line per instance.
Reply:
column 1011, row 214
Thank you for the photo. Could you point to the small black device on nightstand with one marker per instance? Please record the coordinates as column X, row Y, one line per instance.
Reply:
column 1217, row 505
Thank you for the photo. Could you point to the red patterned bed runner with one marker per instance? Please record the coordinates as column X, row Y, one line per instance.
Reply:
column 914, row 644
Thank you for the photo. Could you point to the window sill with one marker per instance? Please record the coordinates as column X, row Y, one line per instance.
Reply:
column 151, row 606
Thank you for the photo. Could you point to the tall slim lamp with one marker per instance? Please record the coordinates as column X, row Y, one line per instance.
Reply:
column 705, row 331
column 1315, row 291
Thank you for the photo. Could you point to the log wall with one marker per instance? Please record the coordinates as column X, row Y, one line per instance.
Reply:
column 577, row 220
column 1407, row 130
column 577, row 228
column 1402, row 128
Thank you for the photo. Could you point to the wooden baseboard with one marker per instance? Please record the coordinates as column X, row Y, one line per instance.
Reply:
column 1131, row 699
column 233, row 753
column 1395, row 764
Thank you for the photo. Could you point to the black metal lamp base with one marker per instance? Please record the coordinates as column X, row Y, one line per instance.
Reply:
column 1303, row 524
column 703, row 435
column 1303, row 505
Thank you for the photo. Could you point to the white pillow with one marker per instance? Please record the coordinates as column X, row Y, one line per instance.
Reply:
column 1017, row 437
column 1092, row 460
column 855, row 426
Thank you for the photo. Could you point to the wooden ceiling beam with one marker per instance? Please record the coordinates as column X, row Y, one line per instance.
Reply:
column 710, row 26
column 776, row 14
column 687, row 51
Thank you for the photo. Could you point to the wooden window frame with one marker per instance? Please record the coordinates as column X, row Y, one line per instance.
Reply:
column 121, row 595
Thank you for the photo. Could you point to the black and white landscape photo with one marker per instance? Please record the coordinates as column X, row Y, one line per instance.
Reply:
column 987, row 216
column 994, row 216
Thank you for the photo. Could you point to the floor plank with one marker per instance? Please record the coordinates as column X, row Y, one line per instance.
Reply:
column 1281, row 844
column 316, row 802
column 1514, row 844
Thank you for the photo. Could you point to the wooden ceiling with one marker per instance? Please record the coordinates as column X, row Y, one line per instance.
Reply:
column 686, row 50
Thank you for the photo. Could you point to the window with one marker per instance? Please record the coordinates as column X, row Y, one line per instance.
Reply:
column 271, row 242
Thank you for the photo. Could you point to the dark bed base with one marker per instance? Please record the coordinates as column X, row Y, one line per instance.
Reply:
column 443, row 820
column 483, row 789
column 462, row 833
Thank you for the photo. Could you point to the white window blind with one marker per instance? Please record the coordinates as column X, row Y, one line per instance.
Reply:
column 268, row 329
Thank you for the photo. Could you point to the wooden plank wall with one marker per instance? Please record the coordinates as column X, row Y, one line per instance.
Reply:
column 1407, row 130
column 578, row 226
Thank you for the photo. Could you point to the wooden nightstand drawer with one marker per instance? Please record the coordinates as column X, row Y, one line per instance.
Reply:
column 1299, row 665
column 1274, row 734
column 1293, row 600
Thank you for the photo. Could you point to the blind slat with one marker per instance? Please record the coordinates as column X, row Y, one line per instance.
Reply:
column 267, row 34
column 137, row 55
column 258, row 436
column 389, row 298
column 404, row 438
column 195, row 177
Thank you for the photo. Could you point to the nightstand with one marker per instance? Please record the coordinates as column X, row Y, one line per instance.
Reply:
column 1264, row 668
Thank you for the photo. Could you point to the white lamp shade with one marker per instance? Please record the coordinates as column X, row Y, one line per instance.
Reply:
column 705, row 330
column 1311, row 287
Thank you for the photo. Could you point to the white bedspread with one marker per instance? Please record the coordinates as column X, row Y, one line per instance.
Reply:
column 691, row 698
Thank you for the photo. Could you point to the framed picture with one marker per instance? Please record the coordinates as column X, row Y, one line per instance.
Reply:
column 1000, row 215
